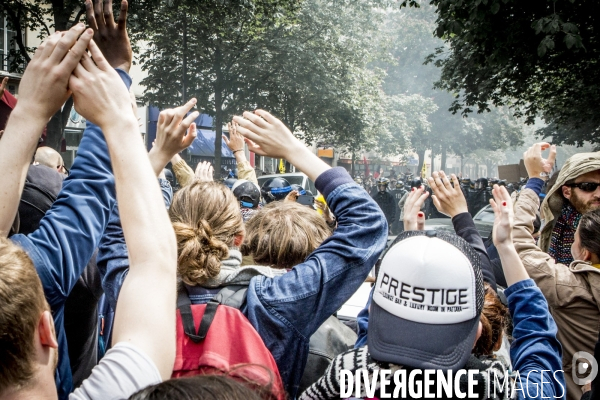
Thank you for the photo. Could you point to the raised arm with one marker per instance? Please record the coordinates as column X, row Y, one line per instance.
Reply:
column 535, row 347
column 148, row 293
column 171, row 137
column 540, row 266
column 449, row 199
column 39, row 98
column 235, row 142
column 316, row 288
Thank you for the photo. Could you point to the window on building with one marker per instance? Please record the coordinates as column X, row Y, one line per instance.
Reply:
column 7, row 43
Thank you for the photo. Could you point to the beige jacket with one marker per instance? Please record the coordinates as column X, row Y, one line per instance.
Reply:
column 185, row 174
column 578, row 164
column 572, row 292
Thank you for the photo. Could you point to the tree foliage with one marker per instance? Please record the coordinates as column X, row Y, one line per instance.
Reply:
column 538, row 57
column 42, row 16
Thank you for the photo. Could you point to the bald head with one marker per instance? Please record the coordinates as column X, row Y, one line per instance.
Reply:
column 49, row 157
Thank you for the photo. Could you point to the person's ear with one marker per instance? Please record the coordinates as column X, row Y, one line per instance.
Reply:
column 238, row 239
column 566, row 191
column 46, row 330
column 586, row 255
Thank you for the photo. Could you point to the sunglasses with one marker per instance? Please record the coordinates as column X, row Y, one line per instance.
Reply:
column 585, row 186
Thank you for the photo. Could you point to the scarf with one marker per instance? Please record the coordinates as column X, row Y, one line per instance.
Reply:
column 232, row 273
column 563, row 235
column 328, row 386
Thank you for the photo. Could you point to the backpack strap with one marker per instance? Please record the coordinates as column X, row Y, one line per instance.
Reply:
column 232, row 296
column 184, row 305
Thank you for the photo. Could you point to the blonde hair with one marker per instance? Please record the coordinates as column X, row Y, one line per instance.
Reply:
column 22, row 302
column 283, row 234
column 206, row 218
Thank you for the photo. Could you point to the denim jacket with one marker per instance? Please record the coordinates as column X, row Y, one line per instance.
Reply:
column 288, row 309
column 70, row 232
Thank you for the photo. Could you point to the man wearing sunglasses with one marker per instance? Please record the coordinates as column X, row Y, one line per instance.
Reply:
column 565, row 263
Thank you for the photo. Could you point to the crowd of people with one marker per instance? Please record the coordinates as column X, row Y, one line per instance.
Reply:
column 114, row 285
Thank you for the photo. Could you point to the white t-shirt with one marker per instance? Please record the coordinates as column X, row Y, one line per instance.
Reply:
column 123, row 371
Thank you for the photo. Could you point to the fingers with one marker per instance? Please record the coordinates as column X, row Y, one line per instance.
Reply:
column 552, row 156
column 445, row 181
column 225, row 139
column 256, row 120
column 420, row 221
column 3, row 85
column 247, row 129
column 78, row 53
column 188, row 139
column 456, row 182
column 99, row 15
column 267, row 116
column 181, row 111
column 187, row 121
column 89, row 12
column 49, row 44
column 99, row 57
column 122, row 22
column 253, row 147
column 108, row 14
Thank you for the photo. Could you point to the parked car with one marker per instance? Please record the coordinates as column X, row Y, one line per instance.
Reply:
column 297, row 178
column 484, row 222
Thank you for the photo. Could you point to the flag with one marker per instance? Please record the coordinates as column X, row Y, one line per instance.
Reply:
column 424, row 171
column 281, row 166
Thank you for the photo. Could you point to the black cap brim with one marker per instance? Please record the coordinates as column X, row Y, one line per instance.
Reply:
column 425, row 346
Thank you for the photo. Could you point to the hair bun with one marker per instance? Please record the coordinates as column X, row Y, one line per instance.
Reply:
column 200, row 253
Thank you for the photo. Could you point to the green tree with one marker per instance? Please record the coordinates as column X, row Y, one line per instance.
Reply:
column 44, row 17
column 207, row 49
column 538, row 57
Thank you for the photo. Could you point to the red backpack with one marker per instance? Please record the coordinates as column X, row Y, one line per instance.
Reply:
column 216, row 338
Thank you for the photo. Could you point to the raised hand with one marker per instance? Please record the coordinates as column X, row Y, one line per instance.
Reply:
column 98, row 92
column 265, row 135
column 536, row 165
column 504, row 216
column 447, row 199
column 414, row 218
column 235, row 141
column 44, row 87
column 111, row 38
column 204, row 171
column 175, row 130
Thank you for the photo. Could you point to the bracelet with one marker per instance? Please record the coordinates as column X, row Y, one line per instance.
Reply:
column 235, row 151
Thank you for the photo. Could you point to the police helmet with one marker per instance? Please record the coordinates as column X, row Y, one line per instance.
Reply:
column 299, row 188
column 275, row 189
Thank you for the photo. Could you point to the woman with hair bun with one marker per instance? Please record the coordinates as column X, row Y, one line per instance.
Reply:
column 284, row 307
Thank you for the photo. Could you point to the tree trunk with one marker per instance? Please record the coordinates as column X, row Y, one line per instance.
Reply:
column 443, row 166
column 353, row 161
column 421, row 155
column 184, row 60
column 219, row 132
column 218, row 111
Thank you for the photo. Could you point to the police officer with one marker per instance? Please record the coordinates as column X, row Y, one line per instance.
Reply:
column 398, row 192
column 385, row 200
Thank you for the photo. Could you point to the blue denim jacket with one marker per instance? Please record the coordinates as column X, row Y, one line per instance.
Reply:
column 288, row 309
column 70, row 232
